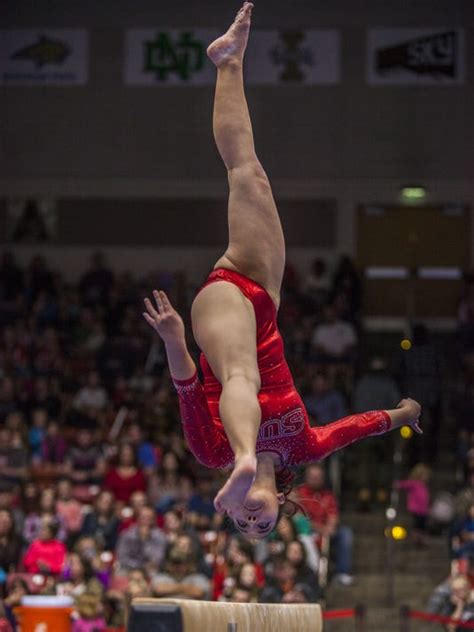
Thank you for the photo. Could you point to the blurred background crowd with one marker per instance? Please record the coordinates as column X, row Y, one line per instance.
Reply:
column 101, row 500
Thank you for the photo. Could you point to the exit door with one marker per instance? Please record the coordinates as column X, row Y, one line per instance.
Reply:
column 413, row 259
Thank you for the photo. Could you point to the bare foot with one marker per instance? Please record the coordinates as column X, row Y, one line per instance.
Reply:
column 411, row 410
column 233, row 493
column 233, row 43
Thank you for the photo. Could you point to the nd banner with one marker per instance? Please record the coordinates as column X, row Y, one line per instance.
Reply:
column 176, row 57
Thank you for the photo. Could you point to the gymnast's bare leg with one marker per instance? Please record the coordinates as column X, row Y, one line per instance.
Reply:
column 223, row 319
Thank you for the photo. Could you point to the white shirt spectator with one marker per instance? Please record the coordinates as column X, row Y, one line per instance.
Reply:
column 91, row 397
column 334, row 338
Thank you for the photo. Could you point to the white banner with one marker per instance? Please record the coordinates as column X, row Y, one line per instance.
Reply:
column 178, row 57
column 156, row 57
column 294, row 57
column 415, row 56
column 38, row 57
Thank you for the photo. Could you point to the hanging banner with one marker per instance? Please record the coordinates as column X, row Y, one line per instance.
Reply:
column 38, row 57
column 415, row 56
column 293, row 57
column 178, row 57
column 155, row 57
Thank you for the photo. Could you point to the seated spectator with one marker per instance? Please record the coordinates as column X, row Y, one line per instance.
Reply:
column 189, row 543
column 16, row 589
column 180, row 579
column 128, row 515
column 142, row 545
column 288, row 530
column 316, row 284
column 281, row 585
column 169, row 485
column 334, row 340
column 321, row 507
column 53, row 446
column 147, row 454
column 46, row 510
column 126, row 476
column 453, row 598
column 227, row 566
column 201, row 503
column 78, row 577
column 10, row 543
column 8, row 501
column 92, row 397
column 37, row 432
column 68, row 509
column 8, row 400
column 84, row 461
column 418, row 500
column 89, row 615
column 249, row 580
column 296, row 553
column 46, row 554
column 346, row 285
column 325, row 403
column 97, row 282
column 102, row 522
column 137, row 584
column 240, row 594
column 463, row 541
column 46, row 396
column 13, row 456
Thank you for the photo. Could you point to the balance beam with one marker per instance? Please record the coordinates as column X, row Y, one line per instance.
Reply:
column 183, row 615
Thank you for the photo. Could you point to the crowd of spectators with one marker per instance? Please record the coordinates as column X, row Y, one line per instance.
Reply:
column 99, row 497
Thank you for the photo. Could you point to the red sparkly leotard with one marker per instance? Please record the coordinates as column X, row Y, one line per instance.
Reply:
column 284, row 428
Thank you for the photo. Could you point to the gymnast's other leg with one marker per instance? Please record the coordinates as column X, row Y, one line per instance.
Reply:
column 223, row 319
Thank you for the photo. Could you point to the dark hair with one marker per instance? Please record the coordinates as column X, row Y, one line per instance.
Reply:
column 280, row 560
column 284, row 483
column 9, row 512
column 121, row 448
column 245, row 547
column 304, row 559
column 53, row 526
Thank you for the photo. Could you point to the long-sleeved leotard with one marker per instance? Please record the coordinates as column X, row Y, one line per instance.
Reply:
column 284, row 428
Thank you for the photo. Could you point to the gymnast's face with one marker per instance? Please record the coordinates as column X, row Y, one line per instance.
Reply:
column 259, row 513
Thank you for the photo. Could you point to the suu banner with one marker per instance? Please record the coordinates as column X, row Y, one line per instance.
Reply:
column 156, row 57
column 415, row 56
column 38, row 57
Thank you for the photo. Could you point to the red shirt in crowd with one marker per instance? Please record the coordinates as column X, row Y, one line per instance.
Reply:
column 123, row 487
column 320, row 506
column 284, row 428
column 52, row 553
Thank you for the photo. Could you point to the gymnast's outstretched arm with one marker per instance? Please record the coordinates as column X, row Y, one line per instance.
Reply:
column 328, row 439
column 205, row 440
column 168, row 324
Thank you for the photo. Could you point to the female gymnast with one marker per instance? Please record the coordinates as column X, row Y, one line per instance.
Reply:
column 248, row 415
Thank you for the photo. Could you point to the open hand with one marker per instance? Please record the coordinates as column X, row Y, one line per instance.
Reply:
column 164, row 319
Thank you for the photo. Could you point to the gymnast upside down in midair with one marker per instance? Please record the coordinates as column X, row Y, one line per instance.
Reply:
column 248, row 415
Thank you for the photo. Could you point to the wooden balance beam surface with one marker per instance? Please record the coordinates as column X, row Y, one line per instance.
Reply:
column 182, row 615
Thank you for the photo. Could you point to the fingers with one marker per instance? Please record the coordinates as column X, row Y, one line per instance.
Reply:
column 158, row 301
column 165, row 300
column 151, row 310
column 149, row 319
